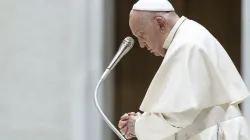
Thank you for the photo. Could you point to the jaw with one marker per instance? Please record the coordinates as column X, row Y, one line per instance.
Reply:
column 161, row 52
column 157, row 54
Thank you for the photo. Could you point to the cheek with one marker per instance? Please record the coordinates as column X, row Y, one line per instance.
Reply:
column 156, row 38
column 152, row 42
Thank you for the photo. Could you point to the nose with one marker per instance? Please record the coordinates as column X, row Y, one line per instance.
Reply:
column 146, row 46
column 142, row 45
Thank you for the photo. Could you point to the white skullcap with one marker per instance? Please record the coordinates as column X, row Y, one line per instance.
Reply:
column 153, row 5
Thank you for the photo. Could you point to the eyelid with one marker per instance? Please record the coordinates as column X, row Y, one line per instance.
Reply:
column 142, row 37
column 141, row 43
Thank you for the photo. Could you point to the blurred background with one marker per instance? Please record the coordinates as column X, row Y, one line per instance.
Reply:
column 53, row 52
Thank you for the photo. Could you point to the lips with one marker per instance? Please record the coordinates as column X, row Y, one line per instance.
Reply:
column 151, row 51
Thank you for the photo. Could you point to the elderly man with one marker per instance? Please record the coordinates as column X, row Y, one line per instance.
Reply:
column 195, row 92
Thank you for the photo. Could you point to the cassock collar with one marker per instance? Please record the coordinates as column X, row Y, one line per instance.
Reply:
column 173, row 32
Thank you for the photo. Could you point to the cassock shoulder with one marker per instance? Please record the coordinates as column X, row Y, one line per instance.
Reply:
column 186, row 49
column 176, row 85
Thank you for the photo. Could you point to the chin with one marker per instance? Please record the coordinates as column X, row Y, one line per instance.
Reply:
column 157, row 54
column 163, row 55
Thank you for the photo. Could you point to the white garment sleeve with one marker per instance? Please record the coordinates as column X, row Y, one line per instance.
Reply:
column 158, row 126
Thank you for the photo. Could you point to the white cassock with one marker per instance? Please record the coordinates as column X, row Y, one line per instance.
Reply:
column 195, row 92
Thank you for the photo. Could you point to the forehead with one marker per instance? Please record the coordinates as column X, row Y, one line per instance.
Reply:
column 135, row 22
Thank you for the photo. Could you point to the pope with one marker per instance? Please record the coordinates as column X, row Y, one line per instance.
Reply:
column 196, row 91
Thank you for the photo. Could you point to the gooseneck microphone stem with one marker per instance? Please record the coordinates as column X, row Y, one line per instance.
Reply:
column 103, row 115
column 126, row 45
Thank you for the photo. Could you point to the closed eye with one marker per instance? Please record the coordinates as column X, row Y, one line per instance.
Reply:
column 142, row 37
column 142, row 44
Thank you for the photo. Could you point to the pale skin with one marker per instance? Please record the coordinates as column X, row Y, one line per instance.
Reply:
column 151, row 29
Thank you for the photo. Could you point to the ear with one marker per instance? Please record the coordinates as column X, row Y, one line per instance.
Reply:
column 162, row 24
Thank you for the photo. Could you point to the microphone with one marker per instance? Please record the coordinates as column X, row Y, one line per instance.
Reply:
column 125, row 46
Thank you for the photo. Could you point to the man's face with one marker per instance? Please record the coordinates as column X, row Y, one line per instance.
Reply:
column 147, row 33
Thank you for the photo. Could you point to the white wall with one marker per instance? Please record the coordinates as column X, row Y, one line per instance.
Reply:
column 245, row 51
column 90, row 21
column 51, row 56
